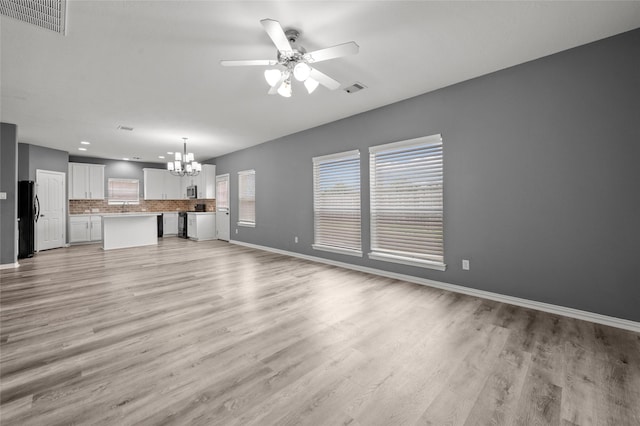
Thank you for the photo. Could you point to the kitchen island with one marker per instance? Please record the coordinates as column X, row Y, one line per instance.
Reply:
column 121, row 230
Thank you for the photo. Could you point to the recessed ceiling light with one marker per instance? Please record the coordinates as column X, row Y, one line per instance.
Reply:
column 170, row 153
column 85, row 143
column 125, row 159
column 82, row 149
column 161, row 156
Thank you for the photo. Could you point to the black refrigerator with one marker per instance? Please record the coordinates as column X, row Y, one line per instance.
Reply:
column 28, row 212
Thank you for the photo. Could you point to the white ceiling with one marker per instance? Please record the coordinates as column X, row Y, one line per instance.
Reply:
column 154, row 65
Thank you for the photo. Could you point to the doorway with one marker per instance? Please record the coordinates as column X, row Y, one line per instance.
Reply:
column 222, row 207
column 50, row 223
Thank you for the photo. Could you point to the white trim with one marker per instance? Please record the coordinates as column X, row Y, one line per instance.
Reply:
column 424, row 140
column 347, row 155
column 10, row 265
column 525, row 303
column 247, row 224
column 338, row 250
column 408, row 261
column 247, row 172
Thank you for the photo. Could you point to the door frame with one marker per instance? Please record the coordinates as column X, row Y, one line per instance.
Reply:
column 64, row 208
column 228, row 215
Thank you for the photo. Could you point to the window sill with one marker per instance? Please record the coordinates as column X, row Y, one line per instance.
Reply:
column 338, row 250
column 408, row 261
column 247, row 224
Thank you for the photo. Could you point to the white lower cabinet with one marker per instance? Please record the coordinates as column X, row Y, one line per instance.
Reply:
column 85, row 228
column 95, row 228
column 201, row 226
column 170, row 224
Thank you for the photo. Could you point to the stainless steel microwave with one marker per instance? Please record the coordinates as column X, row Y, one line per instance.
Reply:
column 192, row 191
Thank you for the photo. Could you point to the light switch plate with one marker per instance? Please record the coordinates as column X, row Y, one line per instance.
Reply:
column 465, row 264
column 3, row 195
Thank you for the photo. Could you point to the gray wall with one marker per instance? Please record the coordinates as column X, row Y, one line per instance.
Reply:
column 8, row 184
column 541, row 178
column 119, row 169
column 34, row 157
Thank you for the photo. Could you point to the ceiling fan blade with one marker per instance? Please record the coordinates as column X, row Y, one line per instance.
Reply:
column 324, row 79
column 276, row 33
column 249, row 62
column 350, row 48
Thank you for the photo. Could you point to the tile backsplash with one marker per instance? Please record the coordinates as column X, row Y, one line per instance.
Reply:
column 102, row 206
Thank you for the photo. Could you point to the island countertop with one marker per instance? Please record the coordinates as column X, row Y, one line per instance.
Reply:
column 120, row 230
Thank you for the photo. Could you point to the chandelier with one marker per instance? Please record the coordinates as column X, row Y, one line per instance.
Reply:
column 184, row 164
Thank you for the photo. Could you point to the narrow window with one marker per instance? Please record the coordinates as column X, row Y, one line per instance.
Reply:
column 336, row 203
column 406, row 202
column 247, row 198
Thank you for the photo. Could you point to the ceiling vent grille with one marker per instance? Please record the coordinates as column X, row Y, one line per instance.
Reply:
column 355, row 87
column 48, row 14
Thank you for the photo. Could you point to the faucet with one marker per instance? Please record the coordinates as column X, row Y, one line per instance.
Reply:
column 124, row 204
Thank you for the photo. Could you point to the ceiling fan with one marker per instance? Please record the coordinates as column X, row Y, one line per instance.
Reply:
column 294, row 60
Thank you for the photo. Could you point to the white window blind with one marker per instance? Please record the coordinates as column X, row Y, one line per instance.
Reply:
column 247, row 198
column 123, row 191
column 406, row 202
column 336, row 203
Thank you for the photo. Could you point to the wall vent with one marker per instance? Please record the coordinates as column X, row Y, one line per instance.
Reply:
column 48, row 14
column 355, row 87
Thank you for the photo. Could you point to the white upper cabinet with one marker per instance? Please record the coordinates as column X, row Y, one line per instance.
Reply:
column 205, row 182
column 86, row 181
column 208, row 181
column 159, row 184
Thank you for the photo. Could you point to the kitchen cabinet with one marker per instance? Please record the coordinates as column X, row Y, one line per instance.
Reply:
column 201, row 226
column 208, row 182
column 86, row 181
column 95, row 228
column 205, row 181
column 159, row 184
column 170, row 223
column 85, row 228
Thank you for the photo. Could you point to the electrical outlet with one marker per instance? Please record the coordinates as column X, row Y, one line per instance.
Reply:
column 3, row 195
column 236, row 230
column 295, row 240
column 465, row 264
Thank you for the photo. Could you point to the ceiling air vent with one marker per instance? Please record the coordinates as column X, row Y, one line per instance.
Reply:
column 48, row 14
column 127, row 128
column 355, row 87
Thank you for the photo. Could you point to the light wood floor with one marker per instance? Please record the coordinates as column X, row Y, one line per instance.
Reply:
column 211, row 333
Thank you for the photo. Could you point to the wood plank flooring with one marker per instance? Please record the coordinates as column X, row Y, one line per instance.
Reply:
column 210, row 333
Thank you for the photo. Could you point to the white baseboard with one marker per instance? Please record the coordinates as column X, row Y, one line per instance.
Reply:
column 9, row 265
column 531, row 304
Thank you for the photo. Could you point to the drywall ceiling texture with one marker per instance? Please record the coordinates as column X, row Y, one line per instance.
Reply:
column 541, row 178
column 155, row 65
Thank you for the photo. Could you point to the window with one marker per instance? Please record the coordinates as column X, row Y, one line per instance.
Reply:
column 222, row 192
column 247, row 198
column 406, row 202
column 336, row 203
column 123, row 191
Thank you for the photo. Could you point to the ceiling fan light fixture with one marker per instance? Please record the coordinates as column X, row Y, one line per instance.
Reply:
column 311, row 85
column 301, row 71
column 285, row 89
column 272, row 76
